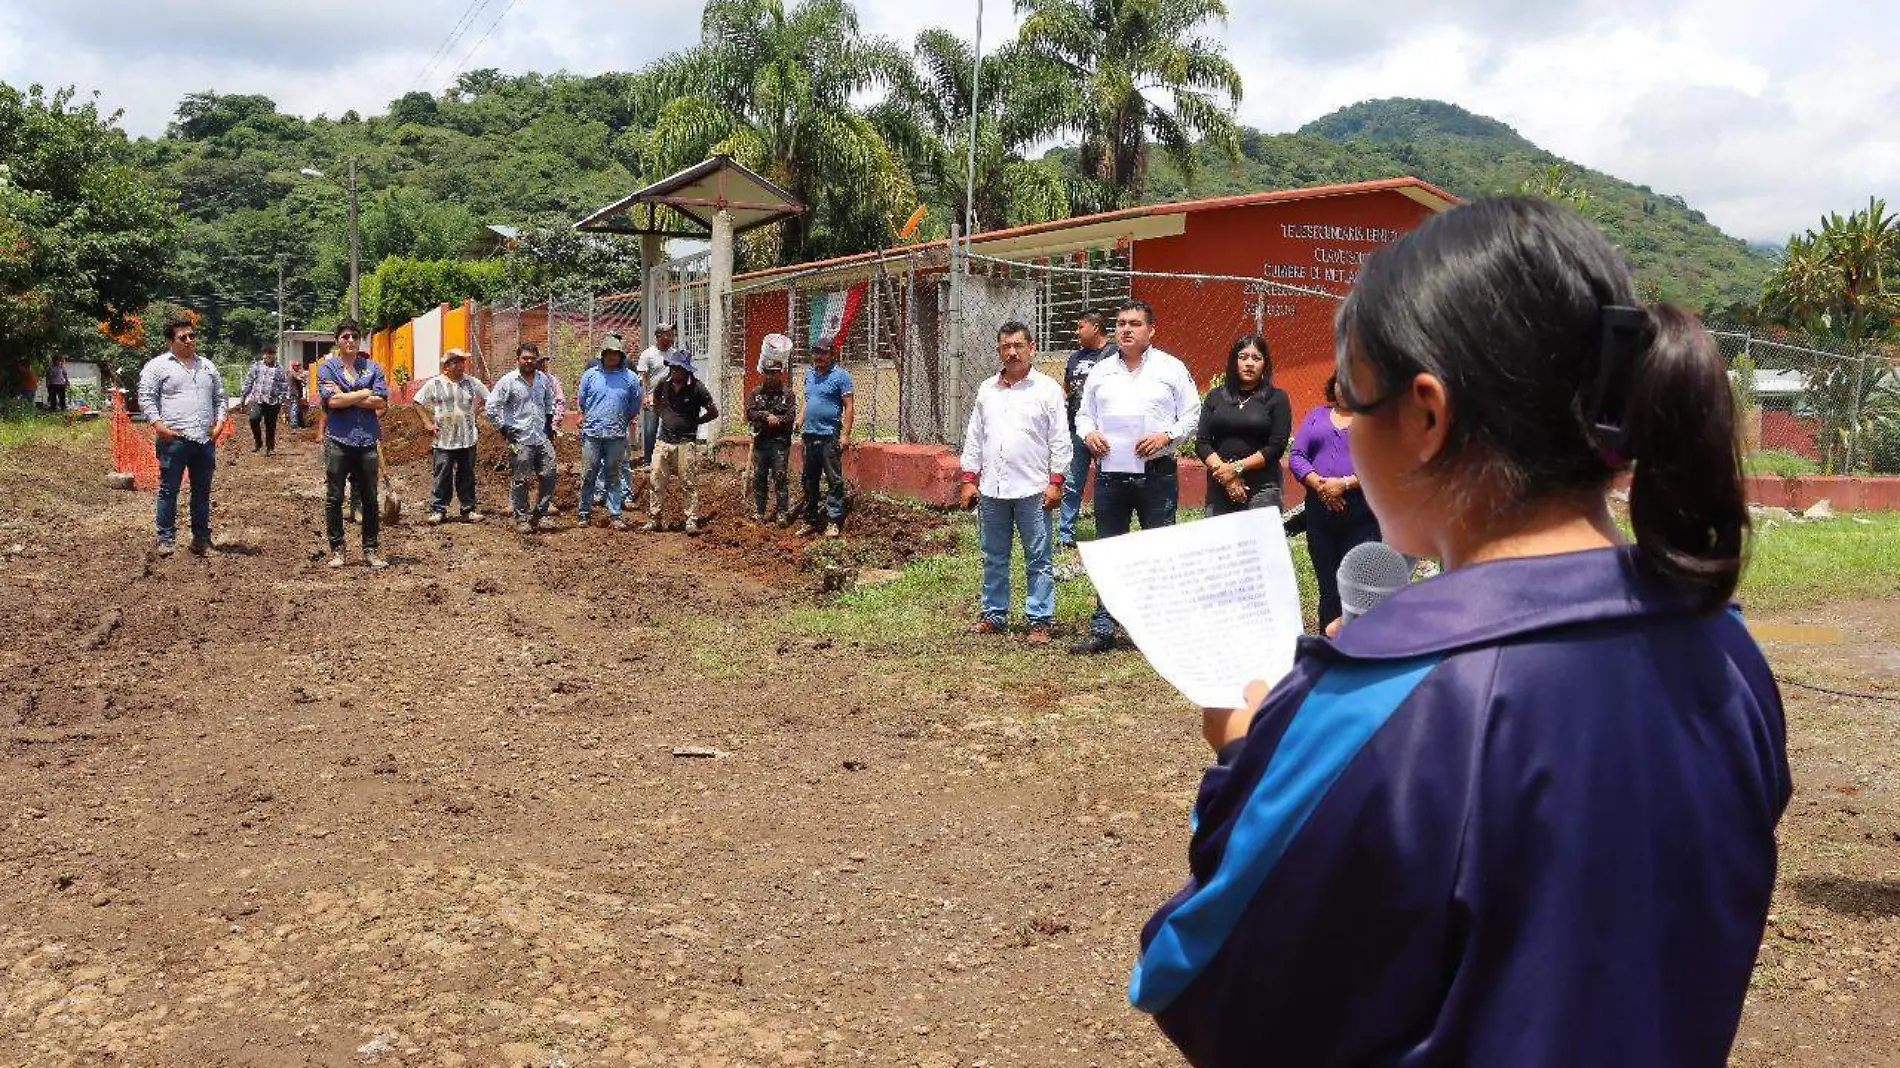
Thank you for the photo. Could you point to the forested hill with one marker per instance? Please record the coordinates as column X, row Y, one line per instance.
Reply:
column 1676, row 252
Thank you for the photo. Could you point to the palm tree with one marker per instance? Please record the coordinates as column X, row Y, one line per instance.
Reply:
column 773, row 87
column 1835, row 282
column 1114, row 54
column 927, row 118
column 1834, row 285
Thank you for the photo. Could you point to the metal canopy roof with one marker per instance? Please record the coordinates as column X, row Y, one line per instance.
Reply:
column 692, row 197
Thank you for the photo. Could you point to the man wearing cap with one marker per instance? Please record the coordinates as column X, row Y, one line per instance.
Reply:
column 182, row 394
column 354, row 394
column 652, row 369
column 773, row 412
column 447, row 405
column 683, row 403
column 609, row 397
column 829, row 408
column 522, row 407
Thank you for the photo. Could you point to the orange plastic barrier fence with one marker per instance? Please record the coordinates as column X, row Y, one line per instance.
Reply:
column 134, row 449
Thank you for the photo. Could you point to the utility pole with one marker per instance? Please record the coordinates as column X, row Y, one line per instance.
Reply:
column 356, row 311
column 976, row 95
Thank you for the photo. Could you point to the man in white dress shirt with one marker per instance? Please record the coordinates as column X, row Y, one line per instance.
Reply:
column 1136, row 406
column 1015, row 451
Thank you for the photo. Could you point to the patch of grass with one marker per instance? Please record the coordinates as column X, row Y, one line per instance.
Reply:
column 1780, row 463
column 20, row 428
column 1799, row 564
column 940, row 593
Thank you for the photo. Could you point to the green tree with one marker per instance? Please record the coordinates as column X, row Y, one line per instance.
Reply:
column 1836, row 284
column 775, row 87
column 84, row 235
column 927, row 117
column 1116, row 54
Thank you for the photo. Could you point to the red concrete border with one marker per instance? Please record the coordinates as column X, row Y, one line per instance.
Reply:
column 928, row 474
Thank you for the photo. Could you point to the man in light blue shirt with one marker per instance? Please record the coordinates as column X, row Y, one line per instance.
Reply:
column 183, row 396
column 829, row 408
column 522, row 407
column 609, row 398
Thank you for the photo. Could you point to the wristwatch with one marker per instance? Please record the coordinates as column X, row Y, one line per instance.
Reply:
column 1234, row 469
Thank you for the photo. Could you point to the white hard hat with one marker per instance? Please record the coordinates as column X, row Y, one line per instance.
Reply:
column 775, row 348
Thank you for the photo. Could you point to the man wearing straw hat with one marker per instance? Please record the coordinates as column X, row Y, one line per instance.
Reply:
column 609, row 400
column 448, row 403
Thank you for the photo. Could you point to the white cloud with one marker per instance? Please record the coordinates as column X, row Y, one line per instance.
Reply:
column 1762, row 115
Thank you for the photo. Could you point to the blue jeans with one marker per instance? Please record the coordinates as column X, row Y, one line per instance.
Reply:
column 1120, row 499
column 602, row 460
column 997, row 519
column 823, row 456
column 1072, row 491
column 533, row 464
column 176, row 458
column 649, row 432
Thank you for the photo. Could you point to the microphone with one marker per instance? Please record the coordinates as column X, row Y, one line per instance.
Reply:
column 1369, row 573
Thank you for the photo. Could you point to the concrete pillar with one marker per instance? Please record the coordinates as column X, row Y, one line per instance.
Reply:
column 652, row 251
column 718, row 301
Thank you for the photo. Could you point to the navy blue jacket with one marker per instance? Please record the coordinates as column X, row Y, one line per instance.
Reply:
column 1519, row 815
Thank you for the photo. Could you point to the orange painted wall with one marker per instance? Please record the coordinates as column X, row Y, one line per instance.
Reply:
column 1311, row 244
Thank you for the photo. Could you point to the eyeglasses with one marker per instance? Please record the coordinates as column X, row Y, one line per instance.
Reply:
column 188, row 337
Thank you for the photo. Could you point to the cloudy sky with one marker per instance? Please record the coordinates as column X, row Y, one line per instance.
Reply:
column 1763, row 115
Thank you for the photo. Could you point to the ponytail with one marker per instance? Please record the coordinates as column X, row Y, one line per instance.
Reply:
column 1686, row 500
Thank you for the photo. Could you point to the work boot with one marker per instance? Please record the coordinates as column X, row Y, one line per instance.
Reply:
column 200, row 546
column 1038, row 634
column 986, row 625
column 165, row 548
column 1093, row 644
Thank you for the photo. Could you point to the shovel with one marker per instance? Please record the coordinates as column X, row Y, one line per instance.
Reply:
column 392, row 501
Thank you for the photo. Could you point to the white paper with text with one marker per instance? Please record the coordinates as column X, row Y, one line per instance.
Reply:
column 1212, row 604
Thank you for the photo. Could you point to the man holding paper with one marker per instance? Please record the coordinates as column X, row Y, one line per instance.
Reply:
column 1135, row 406
column 1015, row 450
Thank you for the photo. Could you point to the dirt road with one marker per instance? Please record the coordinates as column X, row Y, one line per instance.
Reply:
column 257, row 812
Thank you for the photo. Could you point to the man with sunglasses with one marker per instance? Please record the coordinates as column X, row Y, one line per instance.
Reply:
column 182, row 394
column 353, row 392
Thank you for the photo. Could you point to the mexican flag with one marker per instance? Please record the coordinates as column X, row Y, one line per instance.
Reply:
column 831, row 313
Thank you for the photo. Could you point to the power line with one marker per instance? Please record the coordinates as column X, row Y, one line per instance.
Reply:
column 483, row 39
column 456, row 33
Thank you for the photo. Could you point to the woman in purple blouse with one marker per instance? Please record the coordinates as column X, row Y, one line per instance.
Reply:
column 1337, row 516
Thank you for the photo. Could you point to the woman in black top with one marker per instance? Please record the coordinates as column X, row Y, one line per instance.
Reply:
column 1243, row 431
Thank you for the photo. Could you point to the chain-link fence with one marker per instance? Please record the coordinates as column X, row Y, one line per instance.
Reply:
column 1806, row 403
column 919, row 339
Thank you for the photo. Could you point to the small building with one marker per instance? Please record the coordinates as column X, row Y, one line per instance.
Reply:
column 1275, row 262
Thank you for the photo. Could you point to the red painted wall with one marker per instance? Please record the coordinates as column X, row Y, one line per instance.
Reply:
column 1311, row 244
